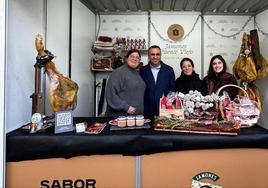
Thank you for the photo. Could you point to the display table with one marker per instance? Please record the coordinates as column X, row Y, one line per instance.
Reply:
column 109, row 158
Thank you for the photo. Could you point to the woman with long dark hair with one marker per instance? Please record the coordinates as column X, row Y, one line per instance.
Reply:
column 217, row 76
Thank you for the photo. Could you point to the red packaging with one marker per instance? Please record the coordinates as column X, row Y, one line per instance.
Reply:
column 170, row 102
column 163, row 102
column 178, row 104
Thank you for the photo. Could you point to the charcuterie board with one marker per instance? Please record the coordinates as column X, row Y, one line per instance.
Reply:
column 199, row 127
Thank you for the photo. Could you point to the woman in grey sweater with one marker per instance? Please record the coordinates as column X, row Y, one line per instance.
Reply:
column 125, row 88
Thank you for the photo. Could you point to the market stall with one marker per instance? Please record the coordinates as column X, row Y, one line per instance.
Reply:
column 167, row 155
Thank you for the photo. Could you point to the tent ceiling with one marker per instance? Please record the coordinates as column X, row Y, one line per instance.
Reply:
column 224, row 7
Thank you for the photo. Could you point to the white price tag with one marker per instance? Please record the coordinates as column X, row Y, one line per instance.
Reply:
column 80, row 127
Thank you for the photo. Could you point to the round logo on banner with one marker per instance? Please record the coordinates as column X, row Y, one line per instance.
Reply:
column 175, row 32
column 196, row 183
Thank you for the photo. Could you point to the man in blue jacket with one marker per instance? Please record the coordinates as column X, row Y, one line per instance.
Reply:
column 159, row 79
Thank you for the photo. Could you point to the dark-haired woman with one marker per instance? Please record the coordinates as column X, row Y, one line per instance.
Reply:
column 218, row 77
column 125, row 88
column 189, row 79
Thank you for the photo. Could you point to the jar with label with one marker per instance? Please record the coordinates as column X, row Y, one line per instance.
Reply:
column 139, row 120
column 131, row 121
column 122, row 121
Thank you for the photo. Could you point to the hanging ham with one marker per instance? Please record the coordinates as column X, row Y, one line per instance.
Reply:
column 63, row 90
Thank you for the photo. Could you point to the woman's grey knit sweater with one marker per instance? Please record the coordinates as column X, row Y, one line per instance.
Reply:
column 125, row 88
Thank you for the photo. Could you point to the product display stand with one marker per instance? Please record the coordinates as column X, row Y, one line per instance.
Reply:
column 37, row 96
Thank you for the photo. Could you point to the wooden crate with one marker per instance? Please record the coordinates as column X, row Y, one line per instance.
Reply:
column 172, row 112
column 179, row 113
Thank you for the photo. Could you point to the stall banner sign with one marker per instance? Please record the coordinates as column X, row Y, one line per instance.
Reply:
column 68, row 183
column 63, row 121
column 196, row 183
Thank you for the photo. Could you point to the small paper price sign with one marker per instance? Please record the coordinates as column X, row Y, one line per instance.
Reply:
column 80, row 127
column 63, row 121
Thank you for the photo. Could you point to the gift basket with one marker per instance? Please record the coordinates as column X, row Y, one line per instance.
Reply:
column 242, row 109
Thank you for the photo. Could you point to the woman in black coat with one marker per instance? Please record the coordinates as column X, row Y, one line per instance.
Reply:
column 189, row 79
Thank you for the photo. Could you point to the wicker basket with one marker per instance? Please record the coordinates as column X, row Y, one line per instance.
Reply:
column 219, row 105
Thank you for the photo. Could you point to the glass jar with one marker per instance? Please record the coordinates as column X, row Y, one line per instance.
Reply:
column 139, row 120
column 122, row 121
column 131, row 121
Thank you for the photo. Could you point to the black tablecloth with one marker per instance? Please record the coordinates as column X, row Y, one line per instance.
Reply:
column 24, row 146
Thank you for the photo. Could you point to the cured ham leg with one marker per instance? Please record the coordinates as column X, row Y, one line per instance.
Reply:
column 63, row 90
